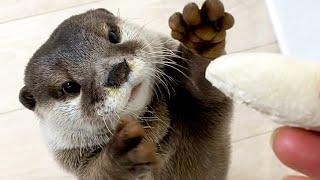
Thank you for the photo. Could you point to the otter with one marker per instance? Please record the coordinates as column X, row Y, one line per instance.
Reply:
column 117, row 101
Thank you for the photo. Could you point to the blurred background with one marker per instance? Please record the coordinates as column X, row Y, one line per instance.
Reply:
column 26, row 24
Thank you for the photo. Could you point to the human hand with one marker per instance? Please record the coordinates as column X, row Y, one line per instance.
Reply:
column 300, row 150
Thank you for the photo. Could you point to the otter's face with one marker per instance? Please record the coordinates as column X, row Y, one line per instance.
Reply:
column 93, row 69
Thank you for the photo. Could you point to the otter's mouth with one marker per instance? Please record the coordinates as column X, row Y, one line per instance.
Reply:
column 135, row 91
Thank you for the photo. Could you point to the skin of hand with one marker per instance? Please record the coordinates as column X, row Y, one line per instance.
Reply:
column 298, row 149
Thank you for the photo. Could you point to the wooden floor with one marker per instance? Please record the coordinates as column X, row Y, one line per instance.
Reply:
column 25, row 25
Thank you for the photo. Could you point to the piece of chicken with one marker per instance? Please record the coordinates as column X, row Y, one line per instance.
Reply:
column 285, row 88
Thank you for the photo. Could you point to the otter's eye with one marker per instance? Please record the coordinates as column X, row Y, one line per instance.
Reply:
column 71, row 88
column 113, row 37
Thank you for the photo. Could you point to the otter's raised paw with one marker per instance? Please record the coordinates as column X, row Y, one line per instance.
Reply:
column 202, row 31
column 130, row 154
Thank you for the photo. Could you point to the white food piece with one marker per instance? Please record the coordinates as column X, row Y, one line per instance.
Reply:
column 288, row 89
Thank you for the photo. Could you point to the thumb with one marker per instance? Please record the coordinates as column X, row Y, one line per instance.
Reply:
column 298, row 149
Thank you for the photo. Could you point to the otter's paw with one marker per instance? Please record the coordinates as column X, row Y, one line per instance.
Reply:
column 203, row 31
column 128, row 150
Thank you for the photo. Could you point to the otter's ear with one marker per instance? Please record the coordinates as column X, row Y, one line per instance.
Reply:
column 104, row 11
column 27, row 99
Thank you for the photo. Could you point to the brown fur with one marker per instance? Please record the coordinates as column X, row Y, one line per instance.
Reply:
column 190, row 140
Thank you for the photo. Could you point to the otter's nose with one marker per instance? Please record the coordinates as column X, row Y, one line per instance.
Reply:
column 118, row 74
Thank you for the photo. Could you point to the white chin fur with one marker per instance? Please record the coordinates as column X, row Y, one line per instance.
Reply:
column 64, row 127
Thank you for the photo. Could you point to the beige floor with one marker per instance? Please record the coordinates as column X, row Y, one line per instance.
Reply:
column 24, row 25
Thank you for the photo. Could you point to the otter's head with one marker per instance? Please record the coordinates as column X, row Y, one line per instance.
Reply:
column 93, row 69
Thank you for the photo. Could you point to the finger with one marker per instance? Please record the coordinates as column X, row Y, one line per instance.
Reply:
column 191, row 14
column 177, row 35
column 227, row 21
column 298, row 149
column 214, row 9
column 176, row 23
